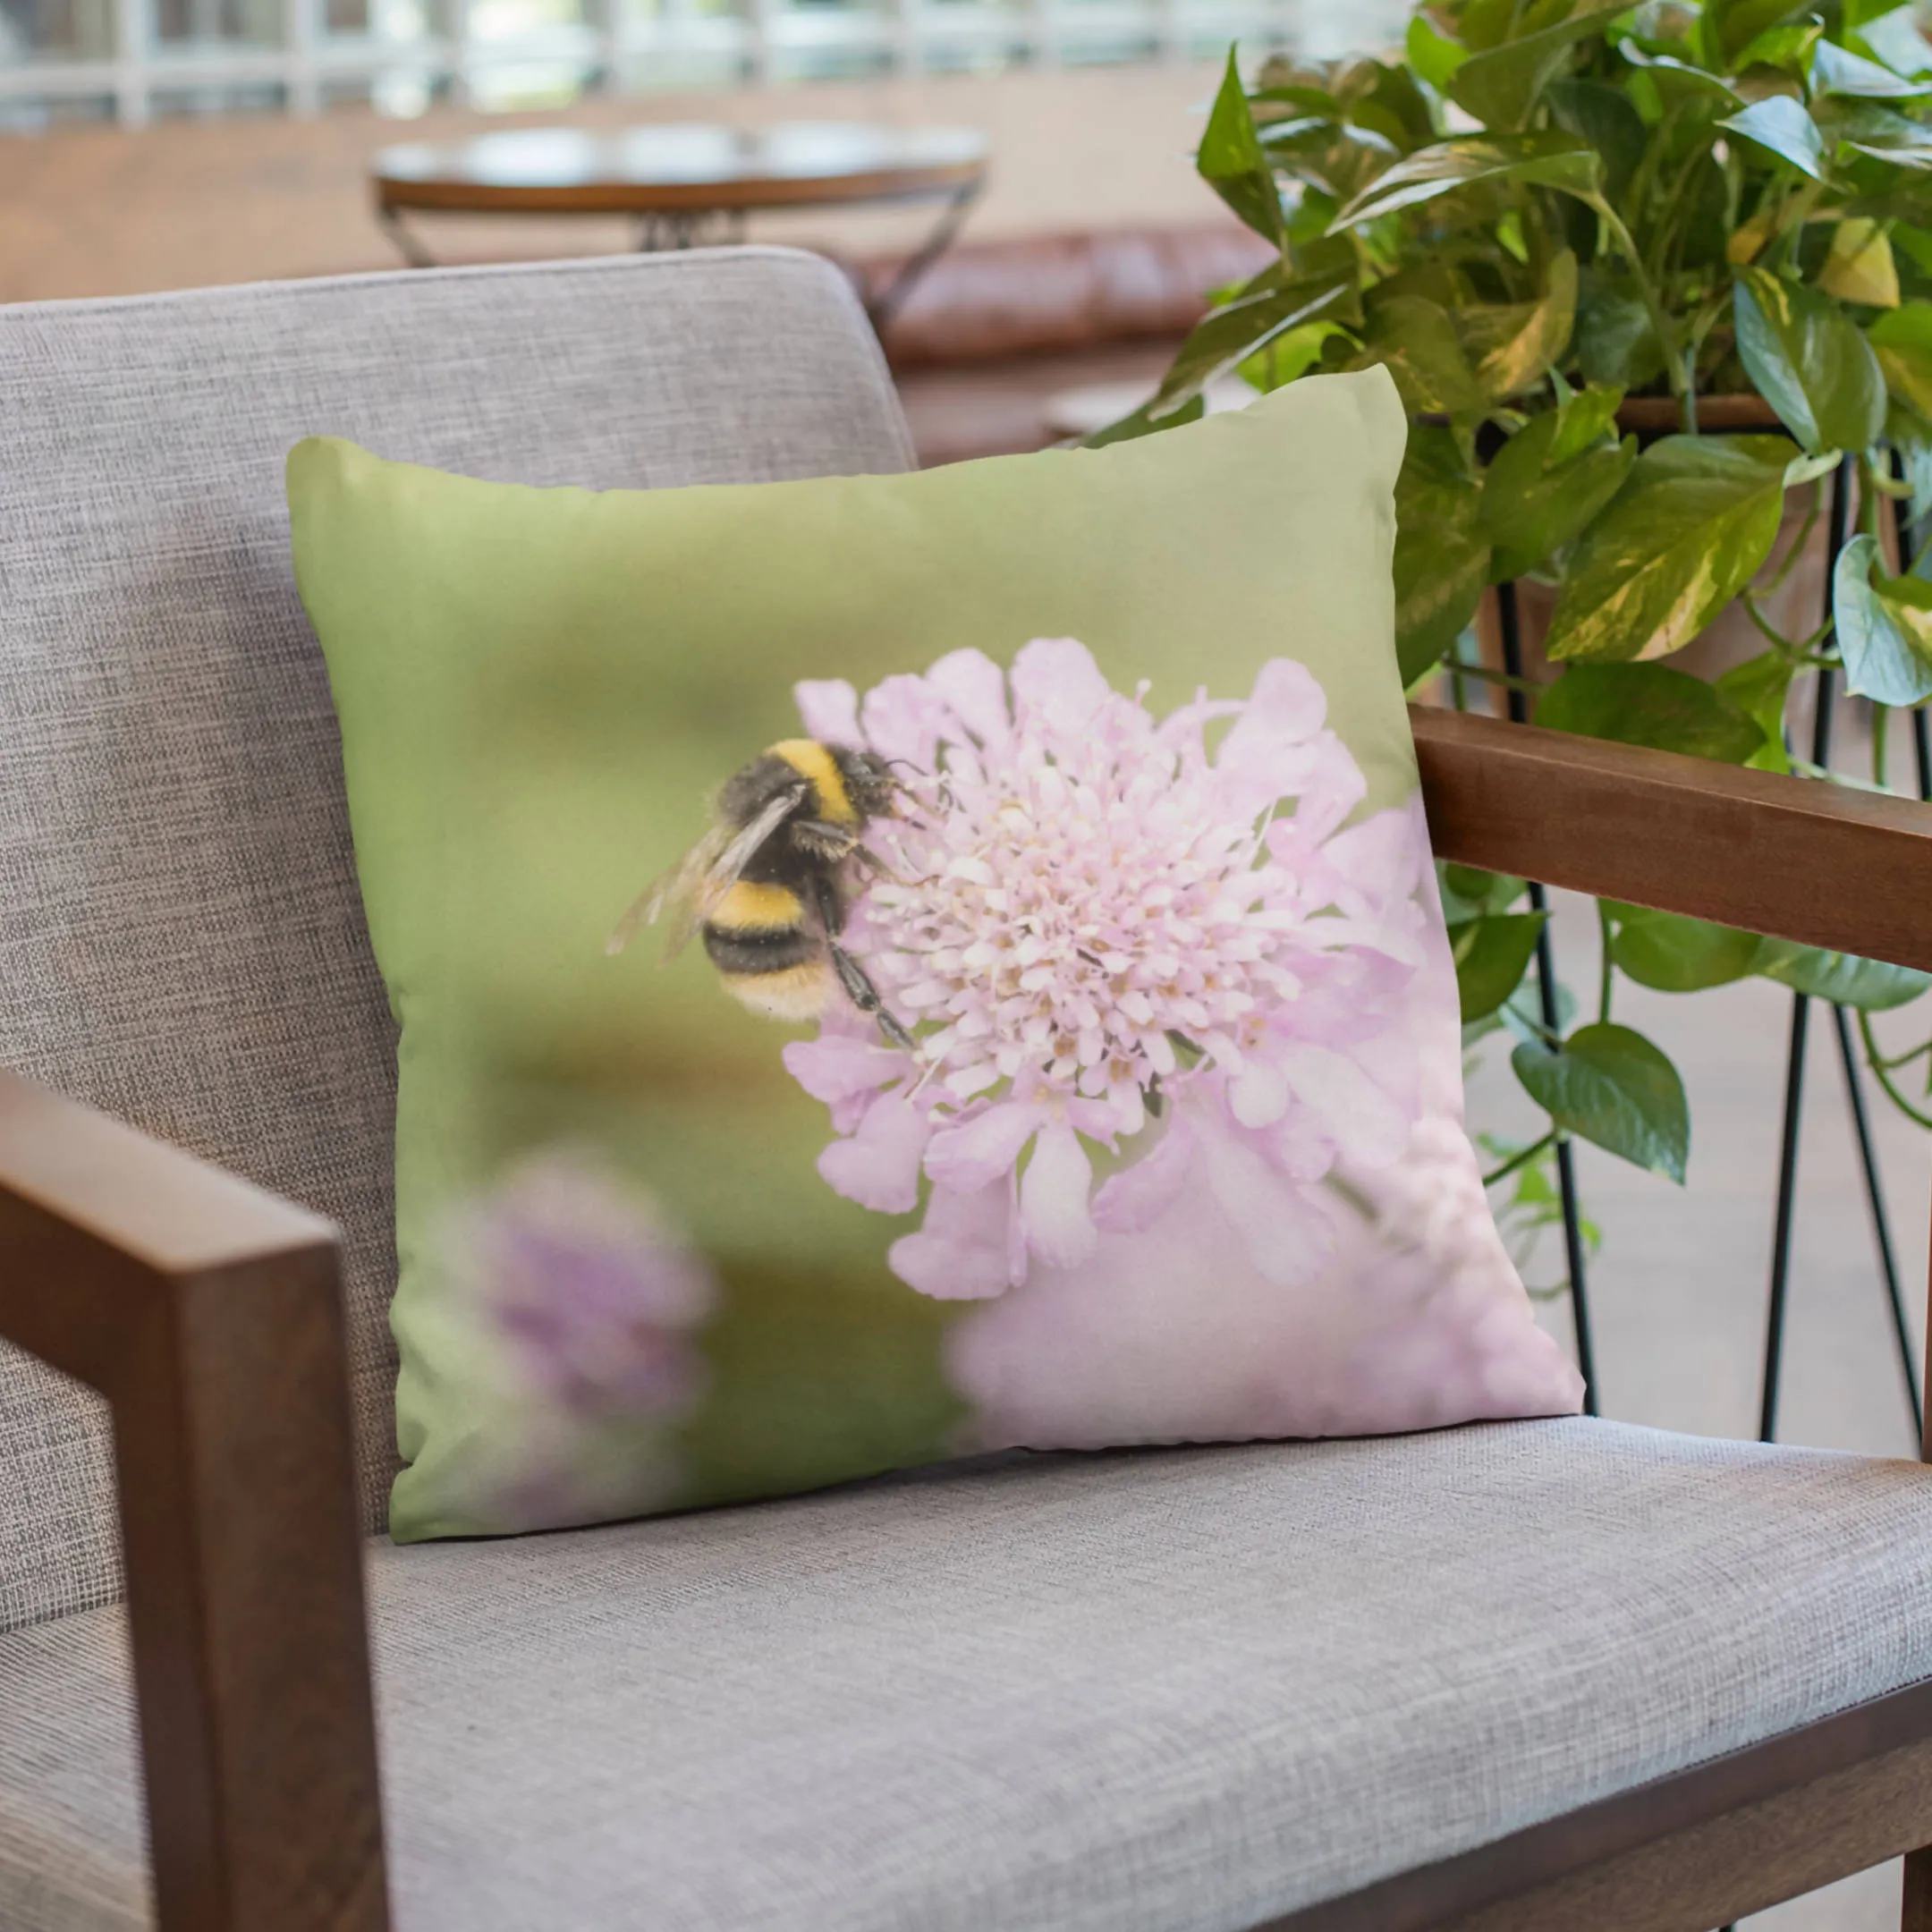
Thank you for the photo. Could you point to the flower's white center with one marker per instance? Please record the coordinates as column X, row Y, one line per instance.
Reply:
column 1070, row 918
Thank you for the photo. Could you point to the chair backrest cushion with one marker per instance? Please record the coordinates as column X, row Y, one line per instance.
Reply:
column 181, row 941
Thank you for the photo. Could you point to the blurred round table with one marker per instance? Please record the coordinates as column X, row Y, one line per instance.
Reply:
column 688, row 183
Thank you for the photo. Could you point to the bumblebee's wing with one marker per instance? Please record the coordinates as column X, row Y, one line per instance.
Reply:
column 694, row 888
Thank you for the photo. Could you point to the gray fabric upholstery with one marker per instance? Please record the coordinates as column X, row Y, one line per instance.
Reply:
column 1166, row 1691
column 180, row 939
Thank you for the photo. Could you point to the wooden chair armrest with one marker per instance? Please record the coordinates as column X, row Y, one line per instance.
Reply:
column 1823, row 864
column 208, row 1313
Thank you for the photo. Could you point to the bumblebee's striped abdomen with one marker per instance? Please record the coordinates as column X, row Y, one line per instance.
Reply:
column 759, row 929
column 753, row 906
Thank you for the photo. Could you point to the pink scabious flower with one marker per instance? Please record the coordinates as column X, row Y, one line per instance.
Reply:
column 1118, row 950
column 588, row 1287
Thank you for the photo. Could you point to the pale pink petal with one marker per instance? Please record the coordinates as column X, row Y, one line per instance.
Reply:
column 980, row 1150
column 879, row 1166
column 828, row 708
column 837, row 1066
column 1258, row 1094
column 960, row 1254
column 1133, row 1200
column 905, row 719
column 1054, row 1198
column 1057, row 687
column 1276, row 749
column 1186, row 730
column 1286, row 1229
column 1327, row 784
column 1363, row 1122
column 1384, row 858
column 1301, row 1146
column 975, row 688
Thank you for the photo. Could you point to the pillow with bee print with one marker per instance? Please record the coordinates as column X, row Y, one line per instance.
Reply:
column 983, row 989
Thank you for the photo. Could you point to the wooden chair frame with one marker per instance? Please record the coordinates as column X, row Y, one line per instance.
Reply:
column 208, row 1313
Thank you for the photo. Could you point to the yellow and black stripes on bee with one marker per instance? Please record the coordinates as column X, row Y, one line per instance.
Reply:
column 815, row 763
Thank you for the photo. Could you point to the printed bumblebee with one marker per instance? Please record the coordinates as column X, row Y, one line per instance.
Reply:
column 769, row 886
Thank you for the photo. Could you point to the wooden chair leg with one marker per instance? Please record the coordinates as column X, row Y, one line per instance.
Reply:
column 1918, row 1913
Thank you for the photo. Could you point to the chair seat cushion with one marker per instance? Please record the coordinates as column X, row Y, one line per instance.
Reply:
column 1173, row 1690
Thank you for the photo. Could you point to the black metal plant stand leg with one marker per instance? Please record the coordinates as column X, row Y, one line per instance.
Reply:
column 1511, row 626
column 1794, row 1069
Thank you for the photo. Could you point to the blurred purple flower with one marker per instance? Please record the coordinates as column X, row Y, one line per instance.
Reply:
column 589, row 1287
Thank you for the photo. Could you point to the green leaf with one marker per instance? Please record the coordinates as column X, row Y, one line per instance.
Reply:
column 1515, row 344
column 1491, row 954
column 1416, row 340
column 1548, row 160
column 1902, row 340
column 1616, row 340
column 1235, row 331
column 1691, row 526
column 1911, row 435
column 1234, row 164
column 1534, row 502
column 1479, row 890
column 1842, row 977
column 1290, row 357
column 1836, row 71
column 1648, row 704
column 1895, row 39
column 1809, row 362
column 1778, row 123
column 1603, row 116
column 1884, row 628
column 1501, row 87
column 1584, row 417
column 1610, row 1085
column 1730, row 26
column 1676, row 82
column 1882, row 133
column 1442, row 559
column 1675, row 954
column 1788, row 47
column 1386, row 99
column 1140, row 423
column 1433, row 56
column 1759, row 687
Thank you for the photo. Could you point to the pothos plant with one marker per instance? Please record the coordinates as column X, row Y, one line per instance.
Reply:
column 1545, row 211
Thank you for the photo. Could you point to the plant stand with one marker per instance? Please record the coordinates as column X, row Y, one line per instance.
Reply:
column 1511, row 626
column 1839, row 522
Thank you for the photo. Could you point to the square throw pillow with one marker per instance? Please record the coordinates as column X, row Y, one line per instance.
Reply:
column 1041, row 1030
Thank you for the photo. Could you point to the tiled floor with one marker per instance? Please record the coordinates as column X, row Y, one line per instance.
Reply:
column 1678, row 1292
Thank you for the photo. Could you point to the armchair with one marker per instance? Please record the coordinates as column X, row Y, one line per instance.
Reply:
column 1537, row 1676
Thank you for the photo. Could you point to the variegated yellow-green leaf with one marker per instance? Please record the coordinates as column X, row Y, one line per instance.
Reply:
column 1691, row 526
column 1902, row 343
column 1417, row 340
column 1859, row 267
column 1549, row 481
column 1546, row 159
column 1810, row 362
column 1515, row 345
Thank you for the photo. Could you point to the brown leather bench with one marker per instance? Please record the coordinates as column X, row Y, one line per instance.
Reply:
column 996, row 327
